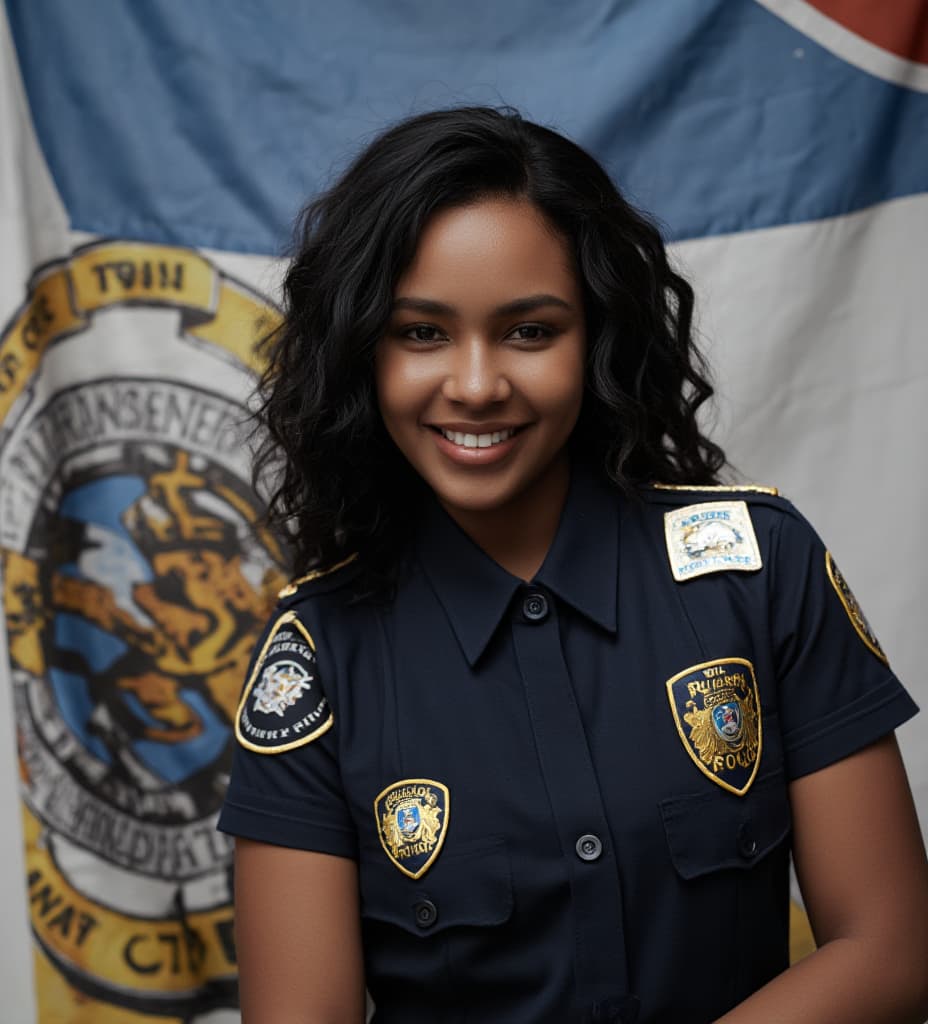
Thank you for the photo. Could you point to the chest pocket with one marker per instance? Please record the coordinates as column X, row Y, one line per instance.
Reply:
column 409, row 925
column 731, row 856
column 711, row 831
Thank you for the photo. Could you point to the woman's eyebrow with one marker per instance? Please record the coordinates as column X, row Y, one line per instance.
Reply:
column 428, row 306
column 530, row 304
column 515, row 308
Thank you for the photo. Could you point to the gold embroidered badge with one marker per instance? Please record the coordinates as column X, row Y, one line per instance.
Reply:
column 716, row 708
column 713, row 536
column 853, row 609
column 412, row 819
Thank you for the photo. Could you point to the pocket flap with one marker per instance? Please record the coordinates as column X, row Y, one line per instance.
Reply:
column 711, row 831
column 471, row 887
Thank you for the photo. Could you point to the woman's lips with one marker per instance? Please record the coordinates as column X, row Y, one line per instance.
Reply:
column 473, row 454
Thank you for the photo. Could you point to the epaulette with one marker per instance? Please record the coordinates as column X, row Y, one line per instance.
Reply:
column 294, row 586
column 719, row 488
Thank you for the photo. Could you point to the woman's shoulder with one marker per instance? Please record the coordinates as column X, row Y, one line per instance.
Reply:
column 712, row 527
column 323, row 600
column 321, row 579
column 679, row 503
column 682, row 494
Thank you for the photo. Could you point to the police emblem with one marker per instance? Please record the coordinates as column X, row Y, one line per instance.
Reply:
column 716, row 708
column 713, row 536
column 283, row 705
column 853, row 609
column 412, row 819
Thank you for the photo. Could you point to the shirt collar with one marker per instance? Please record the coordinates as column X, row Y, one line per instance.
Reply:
column 581, row 567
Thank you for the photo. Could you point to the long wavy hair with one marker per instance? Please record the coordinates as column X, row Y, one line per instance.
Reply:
column 335, row 481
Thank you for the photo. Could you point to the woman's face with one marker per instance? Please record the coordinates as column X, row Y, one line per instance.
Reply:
column 480, row 373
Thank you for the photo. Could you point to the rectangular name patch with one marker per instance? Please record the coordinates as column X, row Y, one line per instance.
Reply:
column 713, row 536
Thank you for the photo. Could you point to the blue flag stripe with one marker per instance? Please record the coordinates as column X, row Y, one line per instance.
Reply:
column 209, row 124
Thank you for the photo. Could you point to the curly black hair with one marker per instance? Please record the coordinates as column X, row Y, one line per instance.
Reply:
column 337, row 483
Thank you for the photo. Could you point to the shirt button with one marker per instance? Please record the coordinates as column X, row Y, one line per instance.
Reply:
column 535, row 607
column 747, row 844
column 589, row 847
column 426, row 913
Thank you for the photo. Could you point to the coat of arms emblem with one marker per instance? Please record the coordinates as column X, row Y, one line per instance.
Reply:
column 412, row 819
column 853, row 609
column 716, row 708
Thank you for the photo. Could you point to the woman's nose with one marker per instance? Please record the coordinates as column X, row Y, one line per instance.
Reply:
column 475, row 375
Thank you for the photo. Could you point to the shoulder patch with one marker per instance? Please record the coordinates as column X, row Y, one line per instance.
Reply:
column 294, row 585
column 283, row 706
column 713, row 536
column 853, row 609
column 719, row 488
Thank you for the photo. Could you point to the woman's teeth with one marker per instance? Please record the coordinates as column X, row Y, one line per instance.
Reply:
column 477, row 440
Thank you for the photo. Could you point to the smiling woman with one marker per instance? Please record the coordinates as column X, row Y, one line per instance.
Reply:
column 536, row 732
column 483, row 396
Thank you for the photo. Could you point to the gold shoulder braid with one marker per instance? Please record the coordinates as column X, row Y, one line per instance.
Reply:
column 294, row 585
column 722, row 488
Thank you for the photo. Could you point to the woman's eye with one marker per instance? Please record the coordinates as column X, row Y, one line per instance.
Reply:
column 422, row 332
column 531, row 332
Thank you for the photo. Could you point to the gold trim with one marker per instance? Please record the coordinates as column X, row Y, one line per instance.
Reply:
column 441, row 838
column 686, row 742
column 726, row 488
column 874, row 644
column 284, row 620
column 294, row 585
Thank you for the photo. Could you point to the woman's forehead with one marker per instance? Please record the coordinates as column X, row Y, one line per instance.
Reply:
column 486, row 254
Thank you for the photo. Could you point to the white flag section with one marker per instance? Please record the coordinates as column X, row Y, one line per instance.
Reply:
column 32, row 229
column 133, row 566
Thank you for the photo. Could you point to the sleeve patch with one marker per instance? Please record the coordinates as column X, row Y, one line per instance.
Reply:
column 713, row 536
column 853, row 609
column 283, row 706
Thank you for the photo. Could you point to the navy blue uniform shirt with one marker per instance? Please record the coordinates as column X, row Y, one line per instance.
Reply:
column 567, row 798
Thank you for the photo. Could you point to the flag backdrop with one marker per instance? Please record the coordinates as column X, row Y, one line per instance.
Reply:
column 152, row 158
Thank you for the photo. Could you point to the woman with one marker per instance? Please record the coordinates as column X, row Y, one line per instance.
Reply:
column 532, row 739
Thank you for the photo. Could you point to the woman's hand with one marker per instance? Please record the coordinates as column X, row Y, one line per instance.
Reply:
column 298, row 936
column 861, row 865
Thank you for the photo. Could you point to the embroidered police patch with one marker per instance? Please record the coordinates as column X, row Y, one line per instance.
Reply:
column 853, row 609
column 716, row 708
column 713, row 536
column 412, row 819
column 283, row 705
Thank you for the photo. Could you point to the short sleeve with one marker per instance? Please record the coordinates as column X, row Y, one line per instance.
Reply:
column 285, row 785
column 836, row 691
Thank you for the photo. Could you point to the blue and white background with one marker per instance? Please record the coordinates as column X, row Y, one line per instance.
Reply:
column 152, row 159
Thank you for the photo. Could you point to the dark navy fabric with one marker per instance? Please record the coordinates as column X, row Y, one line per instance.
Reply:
column 590, row 871
column 209, row 123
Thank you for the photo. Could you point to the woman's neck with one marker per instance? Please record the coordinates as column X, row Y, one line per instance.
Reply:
column 518, row 535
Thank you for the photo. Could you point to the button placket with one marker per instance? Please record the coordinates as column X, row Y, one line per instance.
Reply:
column 574, row 792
